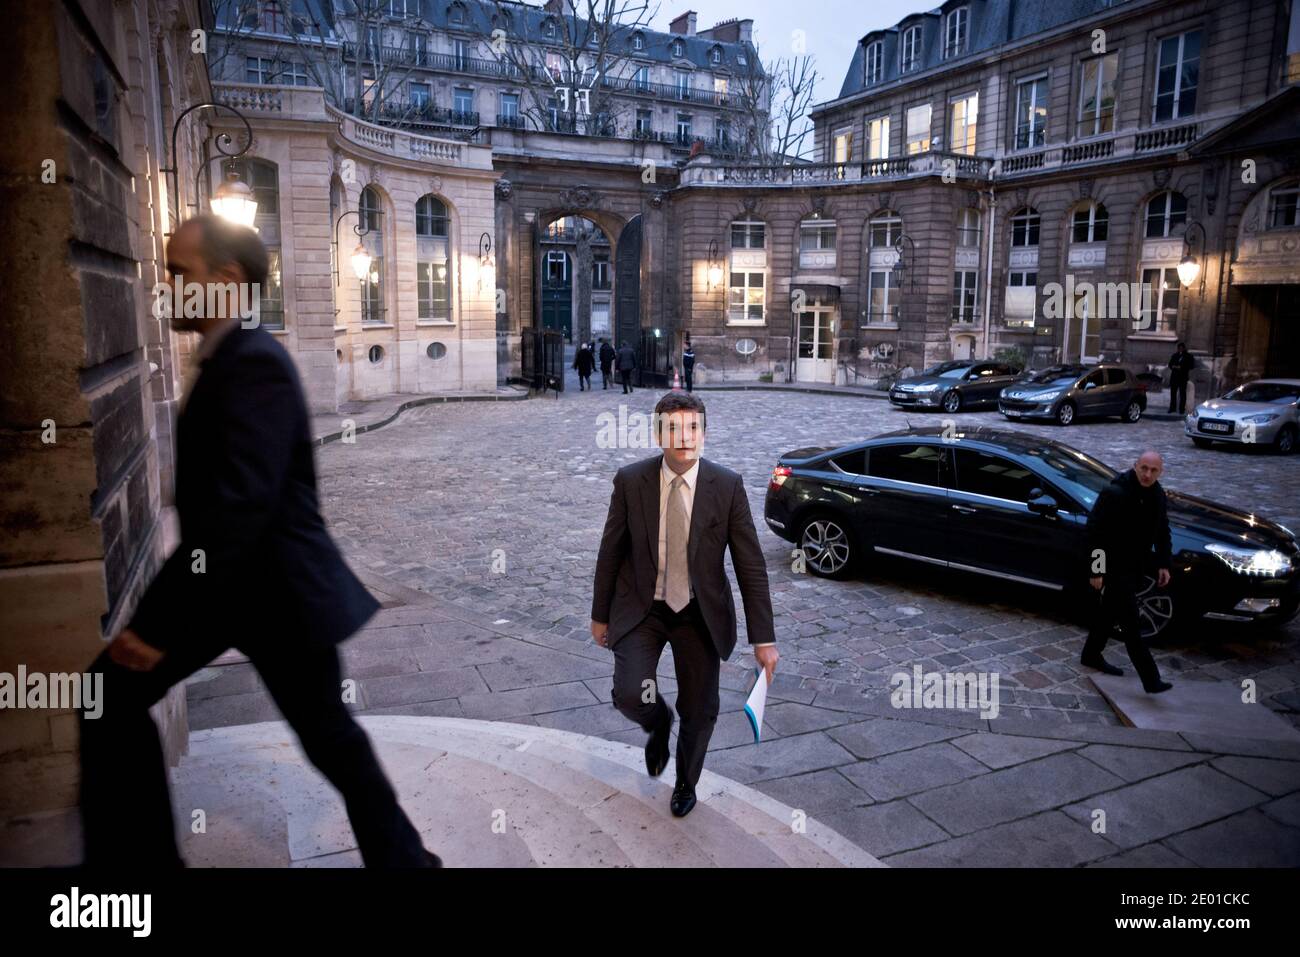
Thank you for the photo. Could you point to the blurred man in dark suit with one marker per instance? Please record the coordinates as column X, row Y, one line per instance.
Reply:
column 255, row 570
column 660, row 580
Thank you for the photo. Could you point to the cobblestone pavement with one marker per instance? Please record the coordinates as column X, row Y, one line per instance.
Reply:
column 428, row 508
column 427, row 503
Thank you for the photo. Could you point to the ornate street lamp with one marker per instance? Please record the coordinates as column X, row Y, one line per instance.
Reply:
column 234, row 200
column 1189, row 267
column 360, row 258
column 715, row 267
column 902, row 263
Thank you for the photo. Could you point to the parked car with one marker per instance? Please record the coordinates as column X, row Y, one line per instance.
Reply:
column 1011, row 506
column 1264, row 412
column 953, row 386
column 1069, row 392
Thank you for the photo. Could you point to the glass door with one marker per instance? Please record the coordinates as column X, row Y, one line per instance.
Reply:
column 816, row 362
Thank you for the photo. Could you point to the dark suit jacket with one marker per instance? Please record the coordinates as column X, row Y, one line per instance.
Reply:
column 629, row 555
column 246, row 495
column 607, row 355
column 626, row 359
column 1127, row 523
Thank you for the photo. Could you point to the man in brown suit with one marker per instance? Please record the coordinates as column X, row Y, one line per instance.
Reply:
column 660, row 580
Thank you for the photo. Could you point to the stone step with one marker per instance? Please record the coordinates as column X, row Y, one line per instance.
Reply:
column 556, row 799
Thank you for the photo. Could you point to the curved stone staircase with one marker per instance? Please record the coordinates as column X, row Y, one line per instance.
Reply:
column 483, row 794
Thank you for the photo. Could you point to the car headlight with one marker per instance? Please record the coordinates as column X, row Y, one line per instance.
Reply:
column 1045, row 396
column 1261, row 418
column 1252, row 561
column 927, row 388
column 1196, row 413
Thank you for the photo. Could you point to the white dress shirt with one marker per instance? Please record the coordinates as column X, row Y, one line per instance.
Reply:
column 666, row 476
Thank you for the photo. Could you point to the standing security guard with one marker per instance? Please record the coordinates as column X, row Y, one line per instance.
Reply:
column 1128, row 521
column 688, row 363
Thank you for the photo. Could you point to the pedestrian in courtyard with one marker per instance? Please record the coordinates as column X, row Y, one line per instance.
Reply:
column 1181, row 364
column 1128, row 537
column 584, row 362
column 688, row 363
column 660, row 580
column 607, row 355
column 255, row 570
column 626, row 363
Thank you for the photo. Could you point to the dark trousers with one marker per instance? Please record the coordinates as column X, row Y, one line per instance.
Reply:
column 605, row 376
column 625, row 377
column 1117, row 609
column 125, row 801
column 690, row 378
column 584, row 382
column 695, row 659
column 1177, row 394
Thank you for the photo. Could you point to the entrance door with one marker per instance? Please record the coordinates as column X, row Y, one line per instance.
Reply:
column 627, row 284
column 816, row 361
column 1089, row 330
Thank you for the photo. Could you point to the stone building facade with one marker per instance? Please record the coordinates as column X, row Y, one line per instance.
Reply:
column 89, row 379
column 1024, row 152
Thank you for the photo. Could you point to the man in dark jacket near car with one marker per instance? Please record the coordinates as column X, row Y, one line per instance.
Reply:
column 1181, row 364
column 626, row 363
column 1128, row 522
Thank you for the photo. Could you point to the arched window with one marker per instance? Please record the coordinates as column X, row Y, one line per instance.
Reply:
column 1165, row 213
column 432, row 259
column 1091, row 224
column 263, row 178
column 886, row 228
column 968, row 227
column 679, row 48
column 1024, row 227
column 715, row 55
column 1284, row 205
column 638, row 41
column 370, row 210
column 548, row 29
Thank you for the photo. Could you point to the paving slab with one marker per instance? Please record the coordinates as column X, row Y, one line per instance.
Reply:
column 1049, row 839
column 1197, row 707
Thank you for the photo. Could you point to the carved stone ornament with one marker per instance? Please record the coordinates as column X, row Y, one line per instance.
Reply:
column 1161, row 177
column 884, row 199
column 819, row 207
column 750, row 203
column 579, row 197
column 1022, row 196
column 657, row 200
column 505, row 189
column 374, row 175
column 973, row 198
column 1085, row 189
column 435, row 184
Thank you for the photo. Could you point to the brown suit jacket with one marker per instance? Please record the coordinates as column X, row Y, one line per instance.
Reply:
column 720, row 518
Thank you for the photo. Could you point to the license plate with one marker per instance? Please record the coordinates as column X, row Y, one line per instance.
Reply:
column 1216, row 426
column 1011, row 412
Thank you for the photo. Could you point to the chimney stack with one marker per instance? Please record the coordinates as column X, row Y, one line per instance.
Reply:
column 684, row 25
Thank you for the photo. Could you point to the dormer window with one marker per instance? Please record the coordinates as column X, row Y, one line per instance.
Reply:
column 638, row 41
column 742, row 59
column 956, row 33
column 910, row 50
column 875, row 65
column 548, row 29
column 679, row 48
column 456, row 15
column 715, row 55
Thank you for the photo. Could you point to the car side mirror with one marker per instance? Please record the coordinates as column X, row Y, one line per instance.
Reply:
column 1041, row 504
column 1089, row 385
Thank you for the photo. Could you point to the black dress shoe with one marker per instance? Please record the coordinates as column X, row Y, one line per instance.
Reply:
column 431, row 859
column 656, row 749
column 1101, row 664
column 1156, row 688
column 683, row 799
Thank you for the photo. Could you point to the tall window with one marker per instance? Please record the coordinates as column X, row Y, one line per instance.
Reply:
column 641, row 78
column 419, row 95
column 1024, row 228
column 1097, row 95
column 1165, row 212
column 684, row 134
column 965, row 284
column 432, row 262
column 683, row 85
column 885, row 230
column 956, row 32
column 918, row 129
column 910, row 50
column 510, row 109
column 372, row 287
column 1178, row 68
column 747, row 295
column 1031, row 112
column 1090, row 224
column 638, row 41
column 965, row 111
column 878, row 138
column 816, row 235
column 1284, row 206
column 968, row 227
column 463, row 104
column 746, row 234
column 460, row 51
column 1160, row 299
column 843, row 146
column 1020, row 306
column 644, row 122
column 882, row 297
column 263, row 178
column 875, row 65
column 258, row 70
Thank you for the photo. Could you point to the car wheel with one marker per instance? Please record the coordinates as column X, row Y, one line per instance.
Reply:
column 952, row 401
column 826, row 547
column 1284, row 444
column 1155, row 608
column 1133, row 411
column 1065, row 413
column 1201, row 443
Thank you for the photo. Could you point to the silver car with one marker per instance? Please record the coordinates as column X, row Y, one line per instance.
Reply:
column 1264, row 412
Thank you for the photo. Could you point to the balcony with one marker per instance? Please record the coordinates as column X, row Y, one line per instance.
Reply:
column 1102, row 149
column 511, row 122
column 704, row 172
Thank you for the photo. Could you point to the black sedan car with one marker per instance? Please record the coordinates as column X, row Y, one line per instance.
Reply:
column 953, row 386
column 1011, row 506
